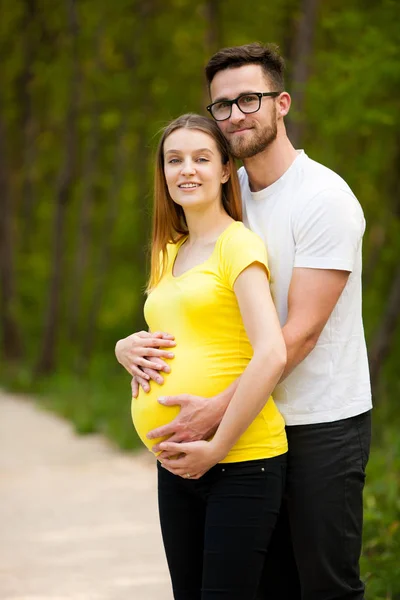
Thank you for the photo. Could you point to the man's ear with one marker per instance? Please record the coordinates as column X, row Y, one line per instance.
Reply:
column 226, row 173
column 284, row 102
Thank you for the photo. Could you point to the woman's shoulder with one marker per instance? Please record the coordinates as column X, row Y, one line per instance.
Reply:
column 239, row 248
column 238, row 235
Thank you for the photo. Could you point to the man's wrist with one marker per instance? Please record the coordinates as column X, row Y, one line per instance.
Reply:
column 221, row 402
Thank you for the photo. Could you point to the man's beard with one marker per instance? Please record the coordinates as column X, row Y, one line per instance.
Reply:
column 260, row 140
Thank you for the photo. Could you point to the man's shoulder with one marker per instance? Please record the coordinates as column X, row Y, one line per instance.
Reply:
column 318, row 179
column 243, row 179
column 309, row 178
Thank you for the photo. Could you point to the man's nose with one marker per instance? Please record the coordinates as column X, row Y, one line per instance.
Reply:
column 236, row 116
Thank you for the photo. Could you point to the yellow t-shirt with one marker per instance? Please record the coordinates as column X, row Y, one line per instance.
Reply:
column 212, row 349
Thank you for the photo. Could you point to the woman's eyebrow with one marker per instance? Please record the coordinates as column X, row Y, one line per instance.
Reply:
column 205, row 150
column 172, row 151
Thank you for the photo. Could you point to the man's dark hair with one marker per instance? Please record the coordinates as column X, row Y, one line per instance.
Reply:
column 265, row 55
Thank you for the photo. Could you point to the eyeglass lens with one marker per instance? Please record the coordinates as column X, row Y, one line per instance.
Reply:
column 247, row 104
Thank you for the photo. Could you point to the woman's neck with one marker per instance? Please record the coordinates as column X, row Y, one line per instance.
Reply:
column 206, row 225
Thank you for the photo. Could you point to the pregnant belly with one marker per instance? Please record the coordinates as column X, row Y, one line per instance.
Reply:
column 205, row 380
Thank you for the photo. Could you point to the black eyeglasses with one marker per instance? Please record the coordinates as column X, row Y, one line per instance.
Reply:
column 247, row 103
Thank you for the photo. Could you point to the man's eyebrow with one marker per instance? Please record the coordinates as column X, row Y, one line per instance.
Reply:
column 224, row 98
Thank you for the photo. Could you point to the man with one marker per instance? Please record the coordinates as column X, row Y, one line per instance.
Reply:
column 312, row 226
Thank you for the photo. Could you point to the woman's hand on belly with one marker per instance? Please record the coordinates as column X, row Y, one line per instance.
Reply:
column 196, row 458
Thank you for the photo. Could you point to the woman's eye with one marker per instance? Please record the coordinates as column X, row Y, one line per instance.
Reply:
column 173, row 161
column 202, row 159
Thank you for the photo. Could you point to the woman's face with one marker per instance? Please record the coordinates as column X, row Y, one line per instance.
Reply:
column 193, row 168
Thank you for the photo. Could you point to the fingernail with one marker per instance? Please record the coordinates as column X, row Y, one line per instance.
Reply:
column 171, row 355
column 167, row 369
column 161, row 400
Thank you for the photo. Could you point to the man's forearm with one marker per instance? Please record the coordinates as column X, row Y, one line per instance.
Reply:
column 223, row 399
column 299, row 344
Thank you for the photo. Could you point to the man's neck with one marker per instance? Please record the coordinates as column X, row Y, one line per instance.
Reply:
column 268, row 166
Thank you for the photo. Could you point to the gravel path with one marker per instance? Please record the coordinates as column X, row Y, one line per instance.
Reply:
column 78, row 518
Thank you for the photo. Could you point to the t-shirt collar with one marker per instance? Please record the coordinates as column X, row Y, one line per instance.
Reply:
column 281, row 182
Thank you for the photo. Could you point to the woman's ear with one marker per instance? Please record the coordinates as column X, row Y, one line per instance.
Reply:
column 226, row 173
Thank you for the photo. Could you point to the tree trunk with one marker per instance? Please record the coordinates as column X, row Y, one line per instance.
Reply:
column 84, row 227
column 381, row 345
column 47, row 358
column 213, row 37
column 212, row 9
column 100, row 276
column 141, row 159
column 382, row 342
column 303, row 49
column 28, row 125
column 377, row 241
column 10, row 334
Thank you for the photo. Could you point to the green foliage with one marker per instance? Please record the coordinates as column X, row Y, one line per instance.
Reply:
column 380, row 562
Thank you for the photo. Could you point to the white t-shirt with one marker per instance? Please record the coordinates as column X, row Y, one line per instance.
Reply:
column 311, row 218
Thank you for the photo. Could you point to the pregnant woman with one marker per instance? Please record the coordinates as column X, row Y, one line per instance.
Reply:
column 209, row 286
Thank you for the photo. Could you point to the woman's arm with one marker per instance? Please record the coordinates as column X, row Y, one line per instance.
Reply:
column 267, row 364
column 256, row 383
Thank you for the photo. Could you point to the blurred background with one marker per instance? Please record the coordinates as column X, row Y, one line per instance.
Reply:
column 85, row 85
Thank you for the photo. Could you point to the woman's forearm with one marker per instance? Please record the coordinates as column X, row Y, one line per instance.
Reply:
column 253, row 390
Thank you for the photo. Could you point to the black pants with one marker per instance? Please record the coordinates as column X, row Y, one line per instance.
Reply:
column 316, row 545
column 216, row 529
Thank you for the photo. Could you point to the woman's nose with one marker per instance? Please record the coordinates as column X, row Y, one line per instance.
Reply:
column 188, row 167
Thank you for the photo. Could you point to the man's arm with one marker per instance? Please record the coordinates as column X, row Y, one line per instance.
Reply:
column 313, row 294
column 198, row 418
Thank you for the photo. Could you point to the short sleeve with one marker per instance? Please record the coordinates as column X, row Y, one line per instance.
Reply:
column 240, row 249
column 328, row 231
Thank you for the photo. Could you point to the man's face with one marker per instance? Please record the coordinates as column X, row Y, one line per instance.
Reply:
column 247, row 134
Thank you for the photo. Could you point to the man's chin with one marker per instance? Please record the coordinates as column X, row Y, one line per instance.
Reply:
column 242, row 151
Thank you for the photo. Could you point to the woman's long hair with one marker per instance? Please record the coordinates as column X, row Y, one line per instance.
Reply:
column 169, row 223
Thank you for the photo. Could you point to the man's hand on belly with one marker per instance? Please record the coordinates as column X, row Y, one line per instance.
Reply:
column 198, row 419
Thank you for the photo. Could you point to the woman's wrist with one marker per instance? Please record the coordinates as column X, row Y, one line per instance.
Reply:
column 118, row 347
column 122, row 348
column 219, row 450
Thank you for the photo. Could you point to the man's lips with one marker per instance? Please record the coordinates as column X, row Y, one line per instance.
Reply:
column 241, row 130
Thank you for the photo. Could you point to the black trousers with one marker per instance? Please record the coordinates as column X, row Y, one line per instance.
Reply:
column 315, row 549
column 216, row 530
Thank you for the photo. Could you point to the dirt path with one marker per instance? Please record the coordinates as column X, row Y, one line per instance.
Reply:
column 78, row 519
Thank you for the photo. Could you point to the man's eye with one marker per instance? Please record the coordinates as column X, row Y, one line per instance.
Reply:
column 248, row 99
column 222, row 105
